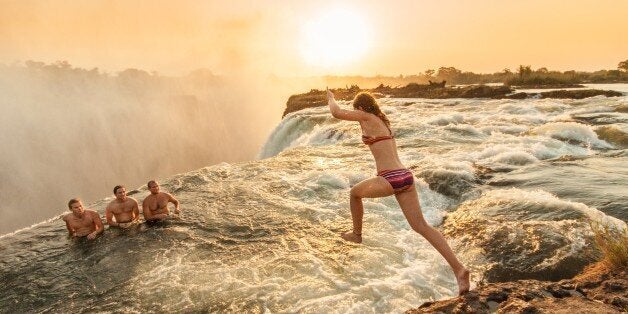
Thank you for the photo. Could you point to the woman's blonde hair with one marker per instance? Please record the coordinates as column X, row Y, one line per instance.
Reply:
column 366, row 102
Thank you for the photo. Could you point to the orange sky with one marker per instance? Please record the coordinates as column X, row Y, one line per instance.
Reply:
column 406, row 37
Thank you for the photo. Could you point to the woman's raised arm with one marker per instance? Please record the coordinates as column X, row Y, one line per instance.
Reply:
column 342, row 114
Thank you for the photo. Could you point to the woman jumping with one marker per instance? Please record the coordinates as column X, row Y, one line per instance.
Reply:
column 392, row 178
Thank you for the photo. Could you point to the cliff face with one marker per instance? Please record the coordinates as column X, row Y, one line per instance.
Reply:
column 317, row 98
column 597, row 289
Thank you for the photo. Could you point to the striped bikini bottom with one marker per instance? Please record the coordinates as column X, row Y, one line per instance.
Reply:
column 400, row 179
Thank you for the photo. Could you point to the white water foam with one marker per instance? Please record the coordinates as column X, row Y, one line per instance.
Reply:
column 571, row 131
column 263, row 236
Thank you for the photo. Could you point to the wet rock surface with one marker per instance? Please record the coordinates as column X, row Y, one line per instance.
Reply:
column 597, row 289
column 519, row 239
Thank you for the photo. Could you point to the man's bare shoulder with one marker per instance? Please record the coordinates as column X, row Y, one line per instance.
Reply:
column 165, row 194
column 148, row 197
column 92, row 212
column 66, row 217
column 132, row 200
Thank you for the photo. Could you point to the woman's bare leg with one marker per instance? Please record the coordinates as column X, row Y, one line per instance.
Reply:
column 409, row 203
column 369, row 188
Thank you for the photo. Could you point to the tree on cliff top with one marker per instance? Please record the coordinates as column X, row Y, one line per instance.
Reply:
column 524, row 70
column 613, row 242
column 623, row 65
column 448, row 73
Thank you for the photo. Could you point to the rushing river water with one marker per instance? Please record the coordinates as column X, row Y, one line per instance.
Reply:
column 512, row 183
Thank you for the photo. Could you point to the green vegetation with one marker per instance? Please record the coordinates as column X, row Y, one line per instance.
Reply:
column 613, row 243
column 542, row 77
column 623, row 66
column 65, row 75
column 523, row 76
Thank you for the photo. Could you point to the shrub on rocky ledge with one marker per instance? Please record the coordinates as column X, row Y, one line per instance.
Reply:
column 613, row 243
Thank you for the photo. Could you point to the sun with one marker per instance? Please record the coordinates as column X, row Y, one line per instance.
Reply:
column 334, row 38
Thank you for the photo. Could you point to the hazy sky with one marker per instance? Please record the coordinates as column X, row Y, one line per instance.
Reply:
column 399, row 37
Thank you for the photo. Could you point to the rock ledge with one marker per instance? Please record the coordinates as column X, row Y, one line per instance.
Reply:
column 317, row 98
column 596, row 290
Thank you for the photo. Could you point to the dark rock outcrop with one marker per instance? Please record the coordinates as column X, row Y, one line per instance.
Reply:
column 622, row 108
column 579, row 93
column 548, row 86
column 598, row 289
column 566, row 94
column 317, row 98
column 437, row 84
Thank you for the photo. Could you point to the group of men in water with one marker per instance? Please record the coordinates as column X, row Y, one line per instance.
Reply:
column 122, row 212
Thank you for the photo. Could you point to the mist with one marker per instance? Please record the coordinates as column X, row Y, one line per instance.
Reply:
column 71, row 132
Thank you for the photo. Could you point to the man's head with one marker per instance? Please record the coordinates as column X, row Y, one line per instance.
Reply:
column 76, row 207
column 153, row 187
column 120, row 192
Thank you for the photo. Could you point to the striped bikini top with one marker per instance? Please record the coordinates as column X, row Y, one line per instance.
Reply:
column 368, row 140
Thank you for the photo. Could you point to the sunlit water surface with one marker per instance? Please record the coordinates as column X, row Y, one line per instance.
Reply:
column 512, row 183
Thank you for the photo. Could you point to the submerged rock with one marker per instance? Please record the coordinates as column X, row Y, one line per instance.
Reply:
column 452, row 183
column 622, row 108
column 524, row 234
column 613, row 135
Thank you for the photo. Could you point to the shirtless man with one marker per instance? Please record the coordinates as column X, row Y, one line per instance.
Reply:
column 82, row 222
column 155, row 205
column 124, row 209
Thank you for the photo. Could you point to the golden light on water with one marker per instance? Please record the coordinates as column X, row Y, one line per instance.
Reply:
column 335, row 38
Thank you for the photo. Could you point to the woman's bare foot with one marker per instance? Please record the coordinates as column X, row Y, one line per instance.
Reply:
column 463, row 281
column 351, row 236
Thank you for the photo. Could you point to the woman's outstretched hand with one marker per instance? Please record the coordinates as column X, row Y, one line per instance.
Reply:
column 330, row 96
column 333, row 106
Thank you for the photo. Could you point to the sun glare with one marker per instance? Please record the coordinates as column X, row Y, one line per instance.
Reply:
column 335, row 38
